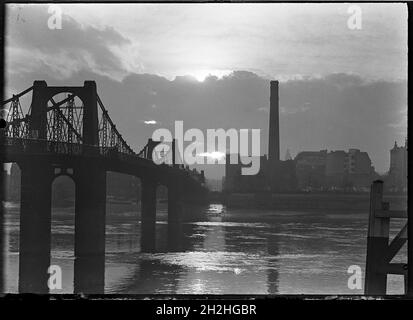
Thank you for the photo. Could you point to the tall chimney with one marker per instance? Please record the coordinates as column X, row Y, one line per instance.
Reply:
column 274, row 131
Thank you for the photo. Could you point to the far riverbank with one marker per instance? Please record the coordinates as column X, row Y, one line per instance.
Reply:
column 309, row 201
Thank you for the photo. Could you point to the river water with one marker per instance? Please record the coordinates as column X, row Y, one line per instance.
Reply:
column 224, row 251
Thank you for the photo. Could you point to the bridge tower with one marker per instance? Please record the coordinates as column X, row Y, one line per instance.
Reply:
column 90, row 208
column 38, row 116
column 90, row 180
column 90, row 114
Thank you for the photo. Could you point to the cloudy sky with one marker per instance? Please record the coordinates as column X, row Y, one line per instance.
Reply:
column 210, row 65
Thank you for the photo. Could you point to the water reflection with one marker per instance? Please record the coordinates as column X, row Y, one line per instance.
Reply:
column 218, row 251
column 212, row 256
column 272, row 268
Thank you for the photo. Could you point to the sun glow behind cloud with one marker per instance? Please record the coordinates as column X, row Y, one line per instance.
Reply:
column 216, row 155
column 207, row 39
column 202, row 74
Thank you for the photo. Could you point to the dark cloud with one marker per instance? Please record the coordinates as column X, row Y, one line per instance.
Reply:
column 85, row 46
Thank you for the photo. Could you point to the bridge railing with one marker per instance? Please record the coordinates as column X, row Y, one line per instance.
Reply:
column 111, row 143
column 55, row 147
column 41, row 146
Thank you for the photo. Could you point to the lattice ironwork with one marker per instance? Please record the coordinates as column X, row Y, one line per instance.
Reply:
column 65, row 126
column 64, row 130
column 109, row 137
column 64, row 121
column 17, row 122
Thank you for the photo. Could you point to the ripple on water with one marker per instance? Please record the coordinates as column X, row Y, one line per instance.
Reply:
column 231, row 224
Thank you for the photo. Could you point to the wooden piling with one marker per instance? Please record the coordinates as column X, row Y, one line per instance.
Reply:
column 379, row 251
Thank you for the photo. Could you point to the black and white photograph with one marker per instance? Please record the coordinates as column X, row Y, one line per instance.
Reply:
column 196, row 149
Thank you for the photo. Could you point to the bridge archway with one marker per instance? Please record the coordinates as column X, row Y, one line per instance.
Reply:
column 122, row 203
column 63, row 228
column 161, row 218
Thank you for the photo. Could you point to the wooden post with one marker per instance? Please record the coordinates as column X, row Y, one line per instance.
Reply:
column 2, row 249
column 377, row 244
column 379, row 251
column 409, row 286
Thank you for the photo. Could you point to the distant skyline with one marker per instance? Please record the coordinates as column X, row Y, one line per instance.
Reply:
column 339, row 88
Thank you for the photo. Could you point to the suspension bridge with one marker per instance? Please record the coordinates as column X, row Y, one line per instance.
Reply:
column 75, row 136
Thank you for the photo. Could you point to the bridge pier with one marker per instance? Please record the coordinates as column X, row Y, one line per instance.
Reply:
column 175, row 211
column 148, row 217
column 35, row 226
column 90, row 214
